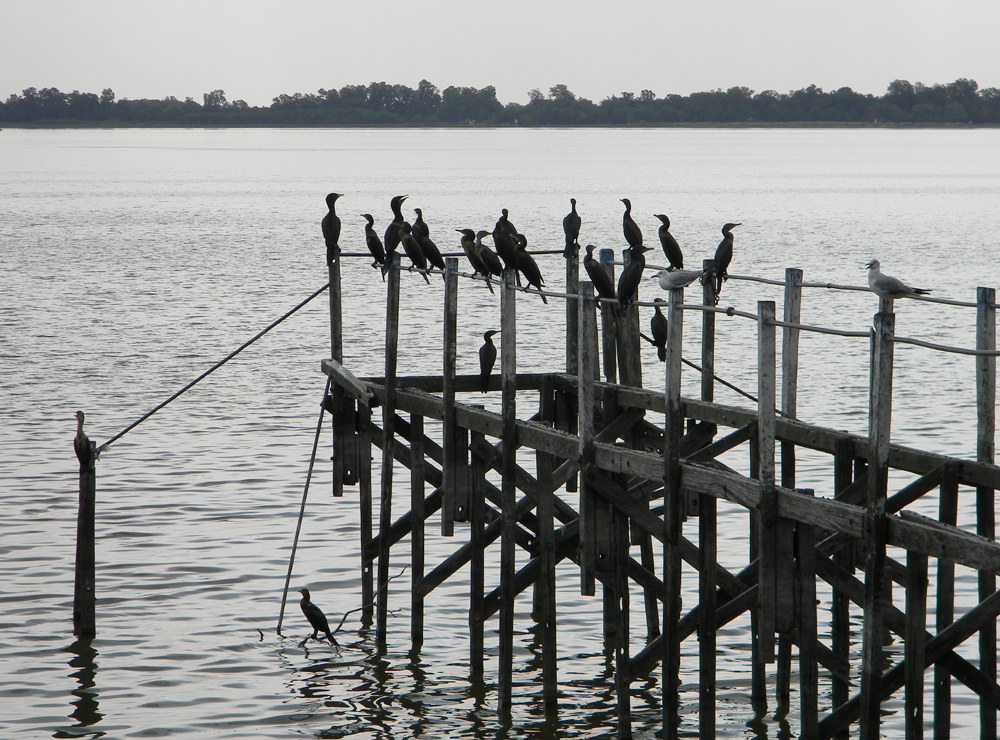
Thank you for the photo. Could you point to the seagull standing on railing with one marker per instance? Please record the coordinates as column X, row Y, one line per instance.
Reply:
column 677, row 278
column 887, row 286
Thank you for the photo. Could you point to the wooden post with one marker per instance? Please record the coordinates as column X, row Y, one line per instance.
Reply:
column 673, row 432
column 450, row 466
column 758, row 674
column 545, row 586
column 609, row 331
column 341, row 443
column 768, row 507
column 986, row 400
column 84, row 587
column 365, row 503
column 585, row 389
column 808, row 630
column 508, row 385
column 878, row 475
column 388, row 447
column 477, row 574
column 619, row 558
column 707, row 604
column 840, row 628
column 915, row 637
column 945, row 608
column 416, row 530
column 627, row 339
column 572, row 309
column 790, row 366
column 708, row 336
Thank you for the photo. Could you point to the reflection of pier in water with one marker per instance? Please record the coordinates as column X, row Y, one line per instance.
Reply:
column 610, row 491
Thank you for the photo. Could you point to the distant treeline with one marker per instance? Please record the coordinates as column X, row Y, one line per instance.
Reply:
column 377, row 104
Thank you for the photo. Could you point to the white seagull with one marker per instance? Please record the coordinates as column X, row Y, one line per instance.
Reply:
column 677, row 278
column 888, row 286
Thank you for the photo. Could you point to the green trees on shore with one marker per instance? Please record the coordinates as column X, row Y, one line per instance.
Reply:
column 379, row 103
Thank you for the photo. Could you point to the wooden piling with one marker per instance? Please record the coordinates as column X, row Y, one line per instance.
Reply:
column 707, row 605
column 585, row 387
column 477, row 569
column 508, row 385
column 875, row 525
column 944, row 613
column 84, row 586
column 545, row 590
column 609, row 323
column 365, row 518
column 986, row 393
column 416, row 530
column 448, row 373
column 768, row 508
column 915, row 639
column 840, row 626
column 572, row 308
column 708, row 335
column 808, row 631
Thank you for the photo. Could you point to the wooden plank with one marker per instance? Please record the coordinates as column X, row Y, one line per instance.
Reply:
column 508, row 383
column 913, row 646
column 463, row 383
column 352, row 386
column 449, row 432
column 417, row 517
column 768, row 508
column 986, row 422
column 585, row 450
column 876, row 526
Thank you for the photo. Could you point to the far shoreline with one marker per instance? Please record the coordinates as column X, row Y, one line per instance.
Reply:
column 53, row 125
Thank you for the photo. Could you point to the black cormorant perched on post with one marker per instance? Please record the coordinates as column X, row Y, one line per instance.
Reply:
column 472, row 253
column 671, row 248
column 487, row 358
column 316, row 617
column 331, row 229
column 419, row 227
column 571, row 227
column 487, row 256
column 504, row 223
column 506, row 245
column 81, row 444
column 413, row 250
column 658, row 328
column 527, row 265
column 603, row 284
column 373, row 242
column 631, row 275
column 723, row 256
column 630, row 228
column 431, row 251
column 392, row 230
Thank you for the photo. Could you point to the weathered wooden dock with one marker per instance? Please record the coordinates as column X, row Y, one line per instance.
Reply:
column 610, row 491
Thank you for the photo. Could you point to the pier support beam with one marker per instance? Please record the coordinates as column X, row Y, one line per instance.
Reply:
column 84, row 587
column 986, row 404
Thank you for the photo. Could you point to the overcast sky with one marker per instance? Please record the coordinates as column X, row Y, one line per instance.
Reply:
column 258, row 49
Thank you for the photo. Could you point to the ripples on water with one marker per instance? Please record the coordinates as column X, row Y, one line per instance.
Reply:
column 133, row 260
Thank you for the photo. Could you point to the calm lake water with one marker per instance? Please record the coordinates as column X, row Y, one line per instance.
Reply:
column 132, row 260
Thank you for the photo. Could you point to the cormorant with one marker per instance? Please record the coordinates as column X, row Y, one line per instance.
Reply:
column 316, row 617
column 630, row 228
column 331, row 229
column 431, row 251
column 670, row 246
column 631, row 275
column 392, row 230
column 487, row 256
column 571, row 226
column 527, row 265
column 373, row 242
column 506, row 245
column 472, row 253
column 723, row 256
column 598, row 275
column 487, row 358
column 504, row 223
column 81, row 444
column 887, row 286
column 658, row 328
column 413, row 250
column 678, row 278
column 419, row 226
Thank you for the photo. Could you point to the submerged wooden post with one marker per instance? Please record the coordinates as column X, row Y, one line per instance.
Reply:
column 508, row 386
column 609, row 332
column 84, row 587
column 875, row 525
column 986, row 404
column 586, row 400
column 673, row 432
column 388, row 447
column 768, row 506
column 448, row 374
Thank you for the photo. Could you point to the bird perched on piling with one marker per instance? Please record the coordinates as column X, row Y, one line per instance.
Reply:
column 630, row 228
column 331, row 229
column 603, row 284
column 677, row 279
column 487, row 256
column 723, row 256
column 373, row 242
column 671, row 248
column 430, row 250
column 571, row 227
column 316, row 618
column 419, row 227
column 504, row 223
column 658, row 328
column 505, row 243
column 887, row 286
column 527, row 265
column 81, row 444
column 392, row 230
column 487, row 358
column 472, row 254
column 628, row 283
column 413, row 250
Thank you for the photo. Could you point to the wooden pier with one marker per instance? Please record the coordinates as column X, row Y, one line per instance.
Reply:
column 610, row 491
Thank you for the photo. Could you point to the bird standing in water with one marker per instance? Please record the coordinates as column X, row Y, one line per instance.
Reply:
column 671, row 248
column 413, row 250
column 331, row 229
column 629, row 227
column 527, row 265
column 628, row 283
column 603, row 284
column 571, row 227
column 723, row 256
column 658, row 328
column 887, row 286
column 316, row 618
column 487, row 358
column 372, row 241
column 81, row 444
column 392, row 230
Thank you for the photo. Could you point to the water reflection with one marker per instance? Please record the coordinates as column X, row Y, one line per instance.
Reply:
column 85, row 712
